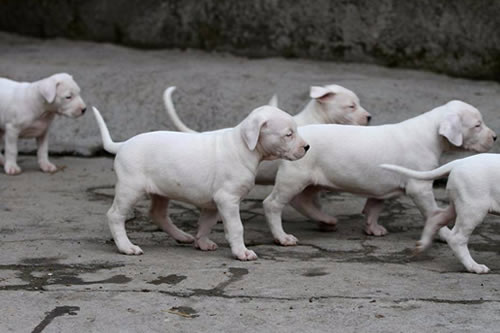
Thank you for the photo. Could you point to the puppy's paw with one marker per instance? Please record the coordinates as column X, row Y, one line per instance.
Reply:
column 205, row 244
column 132, row 250
column 287, row 240
column 420, row 247
column 246, row 255
column 184, row 238
column 327, row 227
column 48, row 167
column 12, row 169
column 479, row 269
column 375, row 230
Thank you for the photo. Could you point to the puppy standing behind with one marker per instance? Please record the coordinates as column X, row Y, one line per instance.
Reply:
column 347, row 159
column 473, row 191
column 331, row 104
column 212, row 171
column 27, row 110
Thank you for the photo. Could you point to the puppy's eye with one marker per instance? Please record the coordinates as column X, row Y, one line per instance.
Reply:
column 478, row 125
column 69, row 97
column 289, row 134
column 353, row 106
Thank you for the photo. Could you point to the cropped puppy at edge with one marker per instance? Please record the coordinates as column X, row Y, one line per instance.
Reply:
column 473, row 191
column 27, row 110
column 213, row 171
column 347, row 159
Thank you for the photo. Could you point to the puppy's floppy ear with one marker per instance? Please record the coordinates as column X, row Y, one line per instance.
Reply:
column 250, row 129
column 48, row 89
column 451, row 128
column 321, row 94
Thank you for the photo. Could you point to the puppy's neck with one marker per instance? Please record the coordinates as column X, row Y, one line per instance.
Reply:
column 39, row 105
column 249, row 158
column 310, row 115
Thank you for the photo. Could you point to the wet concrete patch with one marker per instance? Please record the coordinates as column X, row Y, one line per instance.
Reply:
column 315, row 272
column 235, row 274
column 100, row 193
column 38, row 273
column 171, row 279
column 56, row 312
column 183, row 311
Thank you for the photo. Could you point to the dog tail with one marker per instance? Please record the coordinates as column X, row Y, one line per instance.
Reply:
column 109, row 145
column 169, row 105
column 440, row 172
column 273, row 101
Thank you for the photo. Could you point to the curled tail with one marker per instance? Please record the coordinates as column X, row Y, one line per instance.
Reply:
column 273, row 101
column 109, row 145
column 442, row 171
column 169, row 105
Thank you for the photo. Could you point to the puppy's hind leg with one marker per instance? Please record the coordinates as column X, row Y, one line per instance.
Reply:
column 434, row 223
column 306, row 203
column 160, row 217
column 125, row 198
column 372, row 210
column 469, row 216
column 208, row 218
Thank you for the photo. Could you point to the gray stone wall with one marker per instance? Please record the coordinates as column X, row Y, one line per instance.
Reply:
column 459, row 37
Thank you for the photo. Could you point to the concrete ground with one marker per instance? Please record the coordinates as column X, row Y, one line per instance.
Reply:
column 59, row 268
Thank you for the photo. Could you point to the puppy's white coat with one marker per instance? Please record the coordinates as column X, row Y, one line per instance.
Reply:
column 27, row 110
column 473, row 191
column 332, row 104
column 347, row 158
column 212, row 171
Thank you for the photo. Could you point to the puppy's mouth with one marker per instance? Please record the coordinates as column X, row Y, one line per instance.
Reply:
column 479, row 148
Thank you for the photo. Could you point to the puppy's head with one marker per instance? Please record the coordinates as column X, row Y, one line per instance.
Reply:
column 62, row 93
column 462, row 125
column 273, row 133
column 338, row 105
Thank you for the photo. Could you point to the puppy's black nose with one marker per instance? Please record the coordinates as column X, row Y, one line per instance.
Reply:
column 306, row 148
column 368, row 118
column 83, row 110
column 495, row 138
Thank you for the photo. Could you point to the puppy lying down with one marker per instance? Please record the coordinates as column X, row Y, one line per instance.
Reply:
column 212, row 171
column 473, row 190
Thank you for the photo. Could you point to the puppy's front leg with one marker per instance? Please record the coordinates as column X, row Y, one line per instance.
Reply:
column 43, row 153
column 423, row 196
column 11, row 137
column 229, row 209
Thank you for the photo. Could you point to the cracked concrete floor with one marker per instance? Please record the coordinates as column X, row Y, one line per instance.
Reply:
column 60, row 271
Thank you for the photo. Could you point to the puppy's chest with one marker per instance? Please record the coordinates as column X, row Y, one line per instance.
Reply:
column 38, row 126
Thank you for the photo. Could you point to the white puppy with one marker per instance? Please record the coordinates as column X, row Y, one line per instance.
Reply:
column 212, row 171
column 473, row 191
column 347, row 158
column 27, row 110
column 330, row 104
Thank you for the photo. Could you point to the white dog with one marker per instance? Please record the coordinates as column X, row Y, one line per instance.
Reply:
column 347, row 158
column 212, row 171
column 473, row 191
column 332, row 104
column 27, row 110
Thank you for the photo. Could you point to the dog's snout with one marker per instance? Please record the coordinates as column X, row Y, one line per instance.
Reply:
column 494, row 137
column 306, row 147
column 83, row 110
column 368, row 118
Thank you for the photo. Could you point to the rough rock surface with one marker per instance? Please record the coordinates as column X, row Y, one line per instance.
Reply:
column 454, row 37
